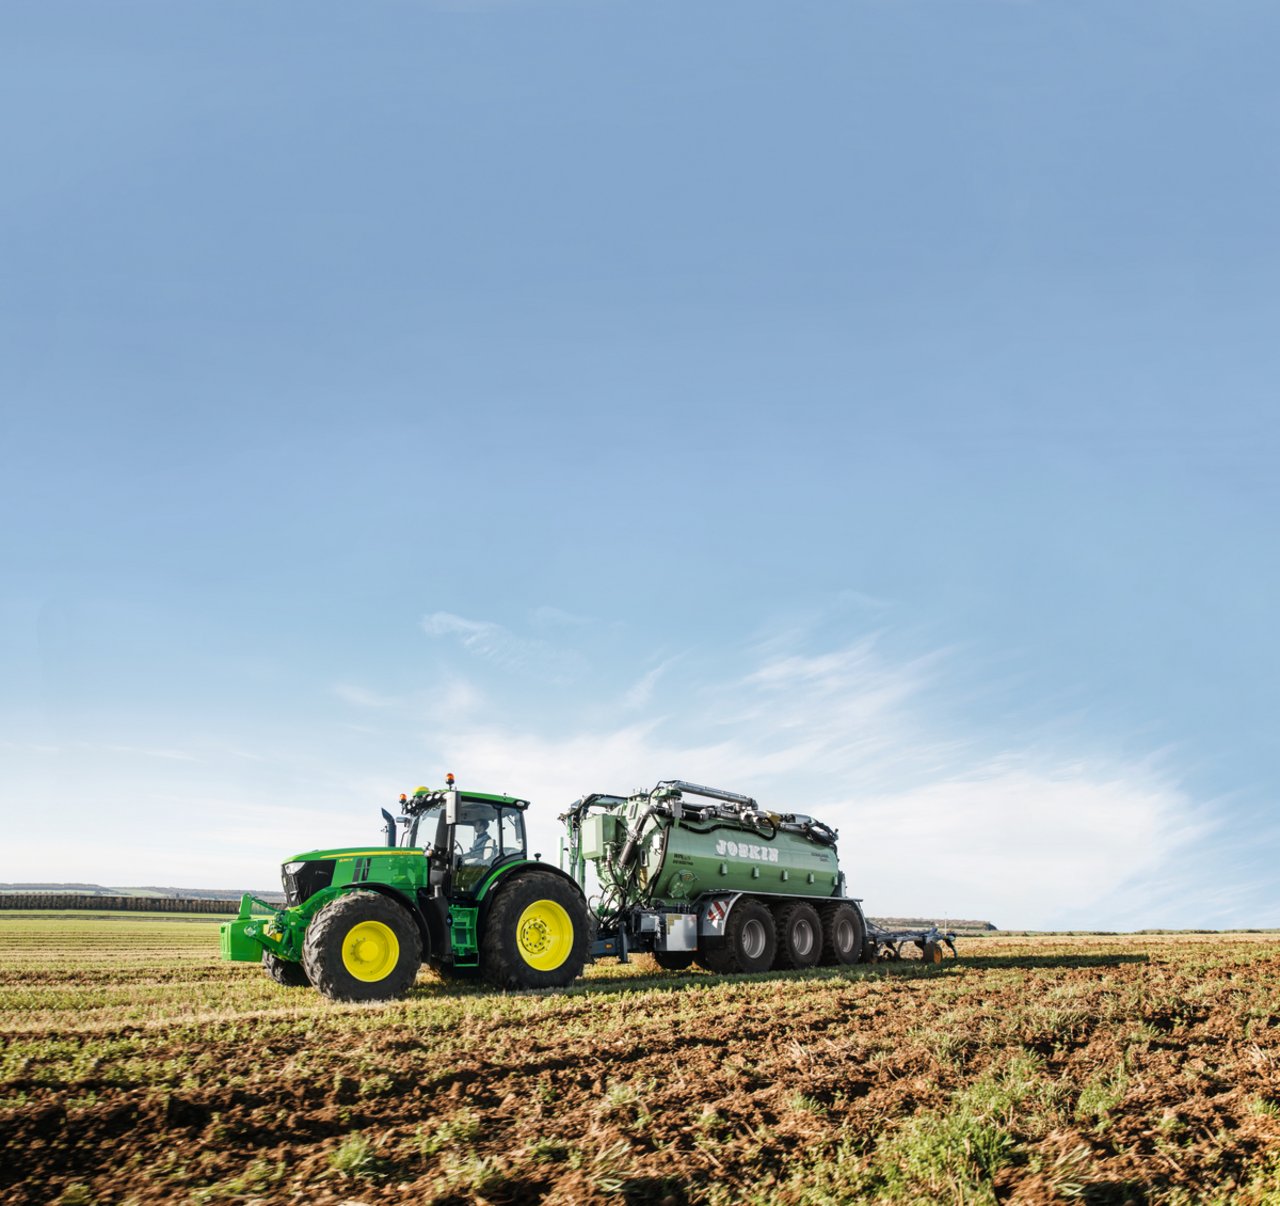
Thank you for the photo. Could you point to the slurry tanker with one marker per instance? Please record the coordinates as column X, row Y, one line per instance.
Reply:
column 683, row 872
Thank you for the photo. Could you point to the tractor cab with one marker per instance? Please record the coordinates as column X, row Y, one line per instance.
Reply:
column 463, row 834
column 488, row 831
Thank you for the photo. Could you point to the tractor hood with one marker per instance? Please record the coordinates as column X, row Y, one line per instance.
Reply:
column 312, row 856
column 402, row 868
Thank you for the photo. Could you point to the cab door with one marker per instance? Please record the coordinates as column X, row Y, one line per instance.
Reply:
column 484, row 835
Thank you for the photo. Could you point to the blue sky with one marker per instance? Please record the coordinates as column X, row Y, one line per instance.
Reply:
column 867, row 406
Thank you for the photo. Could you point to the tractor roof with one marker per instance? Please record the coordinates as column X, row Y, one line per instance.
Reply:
column 435, row 796
column 510, row 801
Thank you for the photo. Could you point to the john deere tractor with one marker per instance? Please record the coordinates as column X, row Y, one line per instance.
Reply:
column 457, row 891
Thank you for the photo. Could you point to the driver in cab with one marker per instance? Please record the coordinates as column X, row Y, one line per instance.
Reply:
column 483, row 847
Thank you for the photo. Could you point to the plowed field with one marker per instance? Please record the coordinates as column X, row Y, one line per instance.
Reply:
column 136, row 1068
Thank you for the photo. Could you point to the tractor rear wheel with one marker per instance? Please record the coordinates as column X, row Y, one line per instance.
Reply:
column 844, row 935
column 536, row 933
column 750, row 940
column 362, row 946
column 799, row 935
column 284, row 971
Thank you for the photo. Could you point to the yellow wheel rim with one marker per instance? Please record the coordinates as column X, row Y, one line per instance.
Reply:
column 370, row 951
column 544, row 935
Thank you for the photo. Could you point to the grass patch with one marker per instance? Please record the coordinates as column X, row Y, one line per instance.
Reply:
column 356, row 1157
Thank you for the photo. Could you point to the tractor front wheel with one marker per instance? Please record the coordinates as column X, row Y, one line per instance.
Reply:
column 362, row 947
column 284, row 971
column 536, row 933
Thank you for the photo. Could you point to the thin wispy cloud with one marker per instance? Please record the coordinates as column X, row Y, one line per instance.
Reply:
column 441, row 696
column 501, row 647
column 860, row 598
column 485, row 639
column 30, row 747
column 361, row 697
column 640, row 693
column 556, row 617
column 136, row 751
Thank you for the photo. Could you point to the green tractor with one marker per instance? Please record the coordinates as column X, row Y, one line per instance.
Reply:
column 458, row 892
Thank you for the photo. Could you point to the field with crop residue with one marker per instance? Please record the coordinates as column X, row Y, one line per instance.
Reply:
column 137, row 1068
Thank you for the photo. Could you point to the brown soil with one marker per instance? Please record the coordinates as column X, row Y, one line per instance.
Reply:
column 637, row 1094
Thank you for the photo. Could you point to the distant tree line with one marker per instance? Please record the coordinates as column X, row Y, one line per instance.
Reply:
column 128, row 904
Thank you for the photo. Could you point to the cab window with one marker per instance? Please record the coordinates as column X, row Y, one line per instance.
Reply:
column 425, row 828
column 477, row 835
column 512, row 832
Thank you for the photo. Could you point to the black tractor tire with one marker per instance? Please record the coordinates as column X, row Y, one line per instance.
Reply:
column 750, row 941
column 673, row 960
column 536, row 933
column 844, row 935
column 284, row 971
column 362, row 946
column 799, row 936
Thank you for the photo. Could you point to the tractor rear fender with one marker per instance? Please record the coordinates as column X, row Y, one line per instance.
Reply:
column 506, row 873
column 501, row 874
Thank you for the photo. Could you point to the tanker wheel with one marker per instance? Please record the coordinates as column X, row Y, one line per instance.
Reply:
column 284, row 971
column 844, row 935
column 673, row 960
column 750, row 941
column 362, row 946
column 799, row 936
column 536, row 933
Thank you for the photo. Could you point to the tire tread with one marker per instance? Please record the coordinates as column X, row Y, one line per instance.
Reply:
column 787, row 957
column 831, row 956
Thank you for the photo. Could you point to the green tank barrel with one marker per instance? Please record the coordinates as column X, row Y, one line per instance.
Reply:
column 668, row 846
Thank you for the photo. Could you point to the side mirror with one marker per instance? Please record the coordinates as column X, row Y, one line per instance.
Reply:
column 451, row 807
